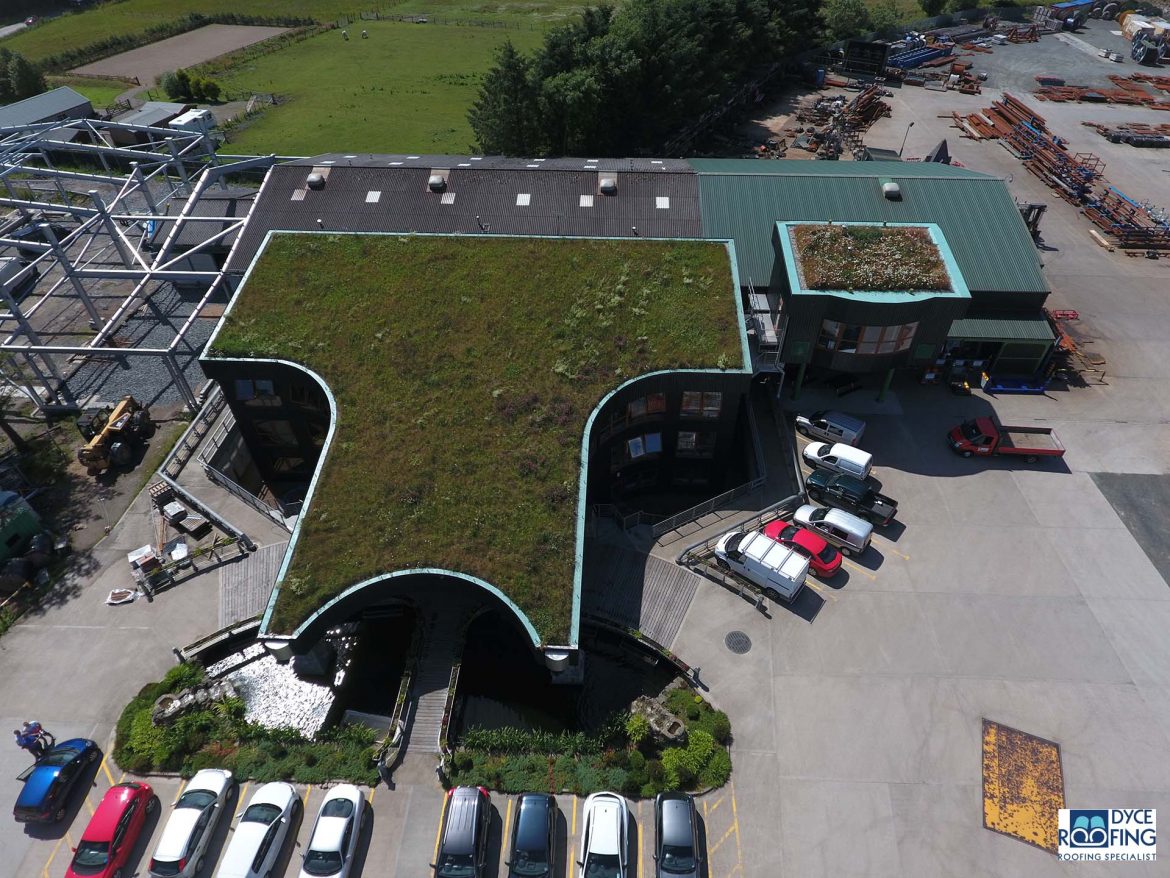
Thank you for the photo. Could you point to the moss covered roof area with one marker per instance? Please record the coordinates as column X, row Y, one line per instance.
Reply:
column 867, row 257
column 464, row 370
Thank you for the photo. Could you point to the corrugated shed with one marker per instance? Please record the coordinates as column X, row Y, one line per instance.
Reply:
column 1007, row 327
column 976, row 213
column 363, row 197
column 61, row 102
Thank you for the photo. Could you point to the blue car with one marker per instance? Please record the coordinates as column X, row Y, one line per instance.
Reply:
column 47, row 785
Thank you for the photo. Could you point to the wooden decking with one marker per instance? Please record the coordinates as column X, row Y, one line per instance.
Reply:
column 245, row 585
column 637, row 590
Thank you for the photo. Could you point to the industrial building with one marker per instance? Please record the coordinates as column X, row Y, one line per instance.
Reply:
column 57, row 105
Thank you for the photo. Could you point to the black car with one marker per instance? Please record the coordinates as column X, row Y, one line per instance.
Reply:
column 534, row 838
column 851, row 493
column 463, row 848
column 676, row 844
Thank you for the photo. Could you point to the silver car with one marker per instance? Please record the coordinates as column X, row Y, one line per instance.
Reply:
column 260, row 836
column 843, row 529
column 183, row 845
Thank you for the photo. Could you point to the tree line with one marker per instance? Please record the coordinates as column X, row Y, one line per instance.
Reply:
column 622, row 81
column 19, row 77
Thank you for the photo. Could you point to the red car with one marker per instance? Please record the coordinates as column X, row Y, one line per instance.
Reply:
column 114, row 828
column 823, row 558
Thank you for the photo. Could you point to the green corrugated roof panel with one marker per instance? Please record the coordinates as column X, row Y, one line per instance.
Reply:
column 1006, row 328
column 743, row 199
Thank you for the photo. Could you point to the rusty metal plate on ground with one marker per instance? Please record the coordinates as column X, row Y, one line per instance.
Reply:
column 1023, row 785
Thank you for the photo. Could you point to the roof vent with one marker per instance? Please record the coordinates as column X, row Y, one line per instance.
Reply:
column 315, row 181
column 891, row 190
column 608, row 185
column 437, row 183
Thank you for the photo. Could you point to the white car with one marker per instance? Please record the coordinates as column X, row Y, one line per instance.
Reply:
column 604, row 841
column 335, row 834
column 184, row 839
column 260, row 835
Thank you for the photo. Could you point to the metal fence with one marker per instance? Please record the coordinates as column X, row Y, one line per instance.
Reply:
column 708, row 506
column 190, row 440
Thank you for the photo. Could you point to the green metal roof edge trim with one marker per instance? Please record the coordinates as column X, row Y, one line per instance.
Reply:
column 804, row 168
column 958, row 289
column 990, row 328
column 582, row 478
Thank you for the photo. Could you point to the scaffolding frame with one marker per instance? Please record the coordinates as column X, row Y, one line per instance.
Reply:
column 141, row 174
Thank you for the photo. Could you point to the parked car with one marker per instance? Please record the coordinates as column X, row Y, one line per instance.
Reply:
column 259, row 838
column 604, row 839
column 533, row 849
column 48, row 783
column 823, row 559
column 463, row 844
column 779, row 570
column 676, row 837
column 839, row 457
column 853, row 494
column 983, row 437
column 113, row 830
column 182, row 847
column 831, row 426
column 31, row 20
column 334, row 839
column 844, row 530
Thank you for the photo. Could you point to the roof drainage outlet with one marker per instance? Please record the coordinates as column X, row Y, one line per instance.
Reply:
column 315, row 181
column 436, row 183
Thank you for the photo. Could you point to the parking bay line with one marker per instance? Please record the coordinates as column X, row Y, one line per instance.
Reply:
column 106, row 769
column 735, row 826
column 370, row 796
column 888, row 545
column 305, row 798
column 507, row 823
column 240, row 801
column 439, row 829
column 641, row 841
column 858, row 569
column 53, row 855
column 823, row 594
column 714, row 807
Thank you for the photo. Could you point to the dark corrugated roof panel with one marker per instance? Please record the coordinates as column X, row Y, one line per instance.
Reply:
column 233, row 203
column 1003, row 328
column 976, row 213
column 476, row 201
column 46, row 106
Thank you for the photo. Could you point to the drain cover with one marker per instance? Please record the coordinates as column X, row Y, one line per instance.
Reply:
column 738, row 642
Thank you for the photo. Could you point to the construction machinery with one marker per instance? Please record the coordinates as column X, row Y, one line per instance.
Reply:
column 114, row 435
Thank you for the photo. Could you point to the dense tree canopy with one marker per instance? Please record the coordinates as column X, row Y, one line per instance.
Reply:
column 622, row 81
column 18, row 78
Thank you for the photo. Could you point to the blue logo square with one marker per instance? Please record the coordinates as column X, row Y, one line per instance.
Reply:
column 1088, row 829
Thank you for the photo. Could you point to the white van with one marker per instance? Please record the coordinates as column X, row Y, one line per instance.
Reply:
column 777, row 569
column 839, row 457
column 831, row 426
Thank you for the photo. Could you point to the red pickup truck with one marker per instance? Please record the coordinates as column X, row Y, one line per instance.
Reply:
column 983, row 437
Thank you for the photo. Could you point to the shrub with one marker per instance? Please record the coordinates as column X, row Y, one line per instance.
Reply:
column 720, row 726
column 718, row 769
column 637, row 761
column 678, row 773
column 637, row 729
column 211, row 90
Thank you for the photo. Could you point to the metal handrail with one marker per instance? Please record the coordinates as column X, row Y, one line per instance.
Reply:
column 184, row 449
column 242, row 493
column 448, row 709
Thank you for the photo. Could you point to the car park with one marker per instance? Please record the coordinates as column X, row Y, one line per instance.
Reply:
column 839, row 458
column 604, row 838
column 777, row 569
column 853, row 494
column 831, row 426
column 261, row 833
column 824, row 560
column 109, row 838
column 463, row 842
column 844, row 530
column 182, row 847
column 533, row 847
column 676, row 837
column 334, row 839
column 47, row 784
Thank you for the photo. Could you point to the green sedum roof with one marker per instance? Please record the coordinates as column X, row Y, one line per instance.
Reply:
column 743, row 199
column 464, row 370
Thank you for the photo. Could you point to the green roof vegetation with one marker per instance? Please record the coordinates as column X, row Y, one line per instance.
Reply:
column 464, row 370
column 864, row 257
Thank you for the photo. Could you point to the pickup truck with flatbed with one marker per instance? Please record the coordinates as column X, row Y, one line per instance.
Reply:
column 852, row 494
column 983, row 437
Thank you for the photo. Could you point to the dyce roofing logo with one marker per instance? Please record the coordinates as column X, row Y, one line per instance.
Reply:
column 1113, row 834
column 1090, row 829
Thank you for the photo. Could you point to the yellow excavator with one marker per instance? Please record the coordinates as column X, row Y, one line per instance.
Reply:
column 114, row 435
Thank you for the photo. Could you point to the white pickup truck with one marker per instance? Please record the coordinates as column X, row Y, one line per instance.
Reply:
column 777, row 569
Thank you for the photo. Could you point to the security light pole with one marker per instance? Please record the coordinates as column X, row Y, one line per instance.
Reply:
column 904, row 136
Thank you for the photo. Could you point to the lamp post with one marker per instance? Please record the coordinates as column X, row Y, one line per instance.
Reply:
column 904, row 136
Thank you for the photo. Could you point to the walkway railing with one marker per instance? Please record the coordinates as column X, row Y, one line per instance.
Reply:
column 707, row 507
column 194, row 434
column 449, row 710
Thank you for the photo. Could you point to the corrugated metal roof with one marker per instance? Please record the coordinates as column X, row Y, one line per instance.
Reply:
column 46, row 106
column 477, row 200
column 233, row 204
column 152, row 113
column 976, row 212
column 494, row 162
column 1005, row 327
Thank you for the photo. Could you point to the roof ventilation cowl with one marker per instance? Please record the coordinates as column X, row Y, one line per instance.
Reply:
column 891, row 190
column 607, row 184
column 315, row 181
column 437, row 183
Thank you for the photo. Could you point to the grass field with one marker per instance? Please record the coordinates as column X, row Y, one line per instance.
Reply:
column 406, row 88
column 135, row 16
column 101, row 92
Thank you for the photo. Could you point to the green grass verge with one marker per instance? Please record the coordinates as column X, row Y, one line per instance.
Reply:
column 426, row 79
column 464, row 370
column 219, row 737
column 77, row 29
column 102, row 93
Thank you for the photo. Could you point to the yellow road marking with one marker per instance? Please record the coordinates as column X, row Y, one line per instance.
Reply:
column 182, row 787
column 726, row 836
column 305, row 797
column 121, row 777
column 573, row 833
column 88, row 805
column 858, row 569
column 53, row 855
column 439, row 829
column 240, row 800
column 507, row 826
column 106, row 769
column 887, row 544
column 370, row 796
column 735, row 826
column 641, row 839
column 714, row 807
column 823, row 594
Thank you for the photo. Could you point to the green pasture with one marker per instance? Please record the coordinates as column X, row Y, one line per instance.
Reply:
column 101, row 92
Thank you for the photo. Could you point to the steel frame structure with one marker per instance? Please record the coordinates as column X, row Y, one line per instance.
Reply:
column 138, row 185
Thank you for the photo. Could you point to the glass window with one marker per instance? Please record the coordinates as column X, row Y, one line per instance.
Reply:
column 275, row 433
column 712, row 404
column 653, row 443
column 637, row 408
column 866, row 340
column 686, row 441
column 655, row 403
column 692, row 402
column 245, row 390
column 636, row 448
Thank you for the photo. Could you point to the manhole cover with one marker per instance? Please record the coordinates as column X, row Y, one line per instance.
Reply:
column 738, row 642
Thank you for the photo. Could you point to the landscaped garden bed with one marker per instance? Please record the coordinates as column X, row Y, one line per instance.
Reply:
column 623, row 755
column 868, row 258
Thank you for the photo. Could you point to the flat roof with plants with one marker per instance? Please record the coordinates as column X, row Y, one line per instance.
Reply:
column 867, row 258
column 464, row 370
